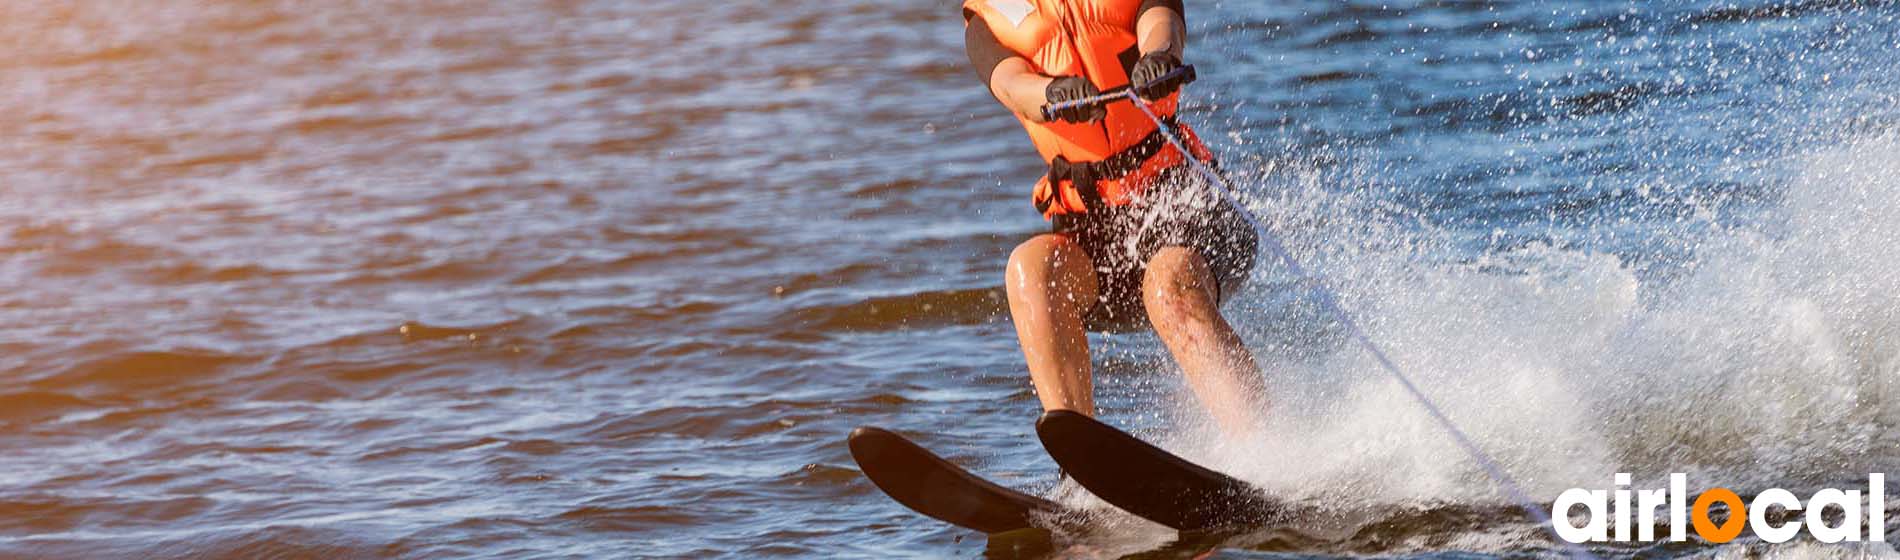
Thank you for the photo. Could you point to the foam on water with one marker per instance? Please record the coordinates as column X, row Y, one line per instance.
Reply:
column 1768, row 360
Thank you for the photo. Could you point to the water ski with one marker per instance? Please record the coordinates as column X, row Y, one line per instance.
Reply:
column 933, row 486
column 1149, row 482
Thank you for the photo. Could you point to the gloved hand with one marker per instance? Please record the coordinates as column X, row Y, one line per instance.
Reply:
column 1070, row 88
column 1146, row 76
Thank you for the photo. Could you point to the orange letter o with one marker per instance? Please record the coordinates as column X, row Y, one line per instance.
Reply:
column 1737, row 515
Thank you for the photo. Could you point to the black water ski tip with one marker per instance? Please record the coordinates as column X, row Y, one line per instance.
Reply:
column 1150, row 482
column 930, row 485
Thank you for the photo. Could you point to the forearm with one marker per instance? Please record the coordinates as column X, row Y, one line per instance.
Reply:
column 1161, row 28
column 1020, row 88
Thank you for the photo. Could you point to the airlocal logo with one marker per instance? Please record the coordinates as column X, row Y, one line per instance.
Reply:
column 1754, row 515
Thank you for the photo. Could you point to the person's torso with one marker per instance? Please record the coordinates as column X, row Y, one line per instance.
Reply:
column 1094, row 39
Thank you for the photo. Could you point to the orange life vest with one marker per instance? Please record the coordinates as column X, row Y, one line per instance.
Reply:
column 1094, row 39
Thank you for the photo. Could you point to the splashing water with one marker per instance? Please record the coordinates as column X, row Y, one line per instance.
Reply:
column 1768, row 358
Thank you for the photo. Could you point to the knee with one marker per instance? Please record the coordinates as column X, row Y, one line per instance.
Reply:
column 1047, row 264
column 1177, row 281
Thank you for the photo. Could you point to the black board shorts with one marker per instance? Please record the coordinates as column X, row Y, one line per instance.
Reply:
column 1181, row 210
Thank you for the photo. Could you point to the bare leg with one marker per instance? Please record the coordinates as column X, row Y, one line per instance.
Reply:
column 1178, row 292
column 1051, row 285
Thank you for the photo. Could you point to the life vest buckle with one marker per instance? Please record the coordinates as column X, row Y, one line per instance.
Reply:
column 1085, row 178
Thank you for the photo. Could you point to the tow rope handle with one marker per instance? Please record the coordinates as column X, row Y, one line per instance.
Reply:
column 1185, row 73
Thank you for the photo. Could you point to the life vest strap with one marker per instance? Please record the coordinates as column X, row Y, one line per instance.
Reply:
column 1085, row 177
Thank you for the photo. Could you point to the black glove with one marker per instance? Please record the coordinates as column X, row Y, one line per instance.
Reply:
column 1146, row 76
column 1070, row 88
